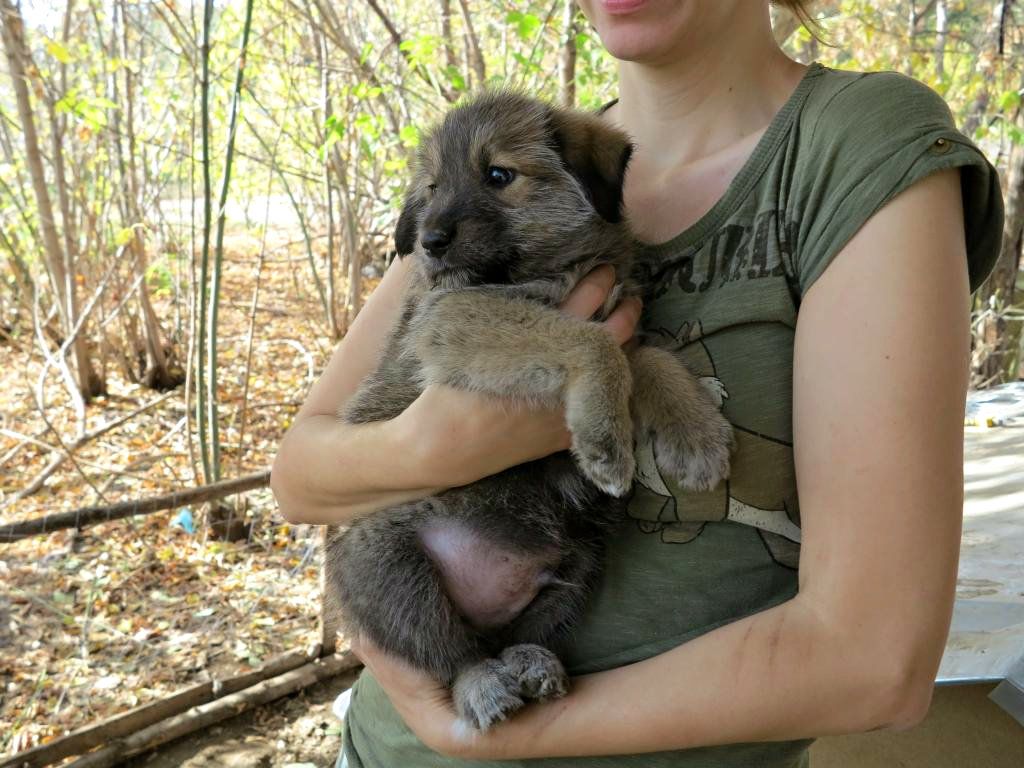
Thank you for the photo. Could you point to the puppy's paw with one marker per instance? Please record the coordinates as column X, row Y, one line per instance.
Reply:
column 485, row 694
column 540, row 674
column 696, row 454
column 606, row 459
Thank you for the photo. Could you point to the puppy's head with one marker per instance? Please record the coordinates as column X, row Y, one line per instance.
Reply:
column 508, row 189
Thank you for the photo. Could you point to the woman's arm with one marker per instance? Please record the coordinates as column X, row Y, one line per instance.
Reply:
column 329, row 472
column 879, row 382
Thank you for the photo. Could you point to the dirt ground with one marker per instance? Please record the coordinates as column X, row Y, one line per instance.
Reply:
column 299, row 731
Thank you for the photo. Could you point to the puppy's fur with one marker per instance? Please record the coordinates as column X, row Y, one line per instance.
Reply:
column 516, row 201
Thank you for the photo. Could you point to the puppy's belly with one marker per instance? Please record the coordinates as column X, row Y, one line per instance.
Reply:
column 489, row 584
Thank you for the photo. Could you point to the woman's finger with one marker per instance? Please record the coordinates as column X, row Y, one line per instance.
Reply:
column 621, row 323
column 590, row 293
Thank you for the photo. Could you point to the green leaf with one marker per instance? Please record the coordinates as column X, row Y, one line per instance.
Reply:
column 366, row 125
column 527, row 65
column 123, row 236
column 458, row 82
column 422, row 49
column 159, row 278
column 1009, row 101
column 526, row 23
column 410, row 135
column 58, row 51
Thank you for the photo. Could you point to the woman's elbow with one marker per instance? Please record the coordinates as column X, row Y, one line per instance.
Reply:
column 281, row 485
column 887, row 678
column 896, row 688
column 907, row 696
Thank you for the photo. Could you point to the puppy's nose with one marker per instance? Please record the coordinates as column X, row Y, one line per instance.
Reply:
column 436, row 241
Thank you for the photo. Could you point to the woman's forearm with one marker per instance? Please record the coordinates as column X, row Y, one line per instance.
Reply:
column 329, row 472
column 781, row 674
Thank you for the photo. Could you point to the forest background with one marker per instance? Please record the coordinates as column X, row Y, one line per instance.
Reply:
column 195, row 199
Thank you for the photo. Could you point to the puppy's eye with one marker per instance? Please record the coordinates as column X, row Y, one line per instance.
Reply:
column 432, row 187
column 500, row 177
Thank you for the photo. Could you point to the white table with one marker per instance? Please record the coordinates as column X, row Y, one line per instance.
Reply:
column 986, row 641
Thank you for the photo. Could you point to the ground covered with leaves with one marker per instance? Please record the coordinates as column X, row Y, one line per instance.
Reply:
column 130, row 611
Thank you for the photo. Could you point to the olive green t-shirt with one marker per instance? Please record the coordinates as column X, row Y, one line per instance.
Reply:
column 725, row 294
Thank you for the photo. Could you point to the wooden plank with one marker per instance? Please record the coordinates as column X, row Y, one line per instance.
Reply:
column 84, row 739
column 206, row 715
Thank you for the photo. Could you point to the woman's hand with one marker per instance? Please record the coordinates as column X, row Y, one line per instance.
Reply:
column 423, row 703
column 426, row 707
column 459, row 437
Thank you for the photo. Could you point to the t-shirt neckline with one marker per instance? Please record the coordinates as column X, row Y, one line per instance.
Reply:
column 748, row 174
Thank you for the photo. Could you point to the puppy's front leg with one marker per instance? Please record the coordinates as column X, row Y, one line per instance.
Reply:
column 485, row 341
column 692, row 439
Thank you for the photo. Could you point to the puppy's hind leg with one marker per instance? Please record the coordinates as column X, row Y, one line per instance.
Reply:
column 388, row 588
column 548, row 621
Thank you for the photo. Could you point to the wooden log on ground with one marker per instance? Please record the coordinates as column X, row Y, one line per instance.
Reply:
column 206, row 715
column 79, row 518
column 84, row 739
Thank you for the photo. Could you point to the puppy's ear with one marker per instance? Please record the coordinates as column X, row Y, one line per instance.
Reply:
column 597, row 154
column 407, row 231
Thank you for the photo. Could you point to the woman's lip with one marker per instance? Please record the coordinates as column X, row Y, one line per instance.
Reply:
column 621, row 7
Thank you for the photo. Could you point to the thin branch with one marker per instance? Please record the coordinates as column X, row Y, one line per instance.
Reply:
column 79, row 518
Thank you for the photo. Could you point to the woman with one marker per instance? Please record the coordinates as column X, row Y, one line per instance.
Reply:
column 817, row 234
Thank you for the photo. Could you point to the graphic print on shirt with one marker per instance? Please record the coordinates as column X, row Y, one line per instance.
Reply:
column 755, row 498
column 738, row 253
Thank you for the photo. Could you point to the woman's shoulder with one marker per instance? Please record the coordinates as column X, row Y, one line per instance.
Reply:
column 863, row 138
column 870, row 106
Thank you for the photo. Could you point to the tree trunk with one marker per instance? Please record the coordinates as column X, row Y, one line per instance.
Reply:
column 997, row 341
column 476, row 58
column 156, row 373
column 56, row 259
column 986, row 66
column 222, row 200
column 446, row 35
column 911, row 37
column 323, row 60
column 567, row 56
column 204, row 264
column 940, row 38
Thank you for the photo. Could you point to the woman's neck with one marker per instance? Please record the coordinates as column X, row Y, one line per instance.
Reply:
column 706, row 96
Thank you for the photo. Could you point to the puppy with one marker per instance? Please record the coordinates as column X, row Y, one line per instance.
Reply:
column 512, row 202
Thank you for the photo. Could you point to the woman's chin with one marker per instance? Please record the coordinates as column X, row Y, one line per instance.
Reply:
column 648, row 33
column 637, row 42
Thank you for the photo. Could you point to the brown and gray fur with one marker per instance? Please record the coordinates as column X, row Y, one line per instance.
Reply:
column 480, row 585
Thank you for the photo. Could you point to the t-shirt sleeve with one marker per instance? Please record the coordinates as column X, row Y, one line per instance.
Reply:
column 868, row 141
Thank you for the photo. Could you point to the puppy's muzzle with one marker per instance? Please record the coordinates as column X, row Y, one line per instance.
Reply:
column 436, row 241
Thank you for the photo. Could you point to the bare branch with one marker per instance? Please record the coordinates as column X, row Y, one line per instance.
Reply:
column 80, row 518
